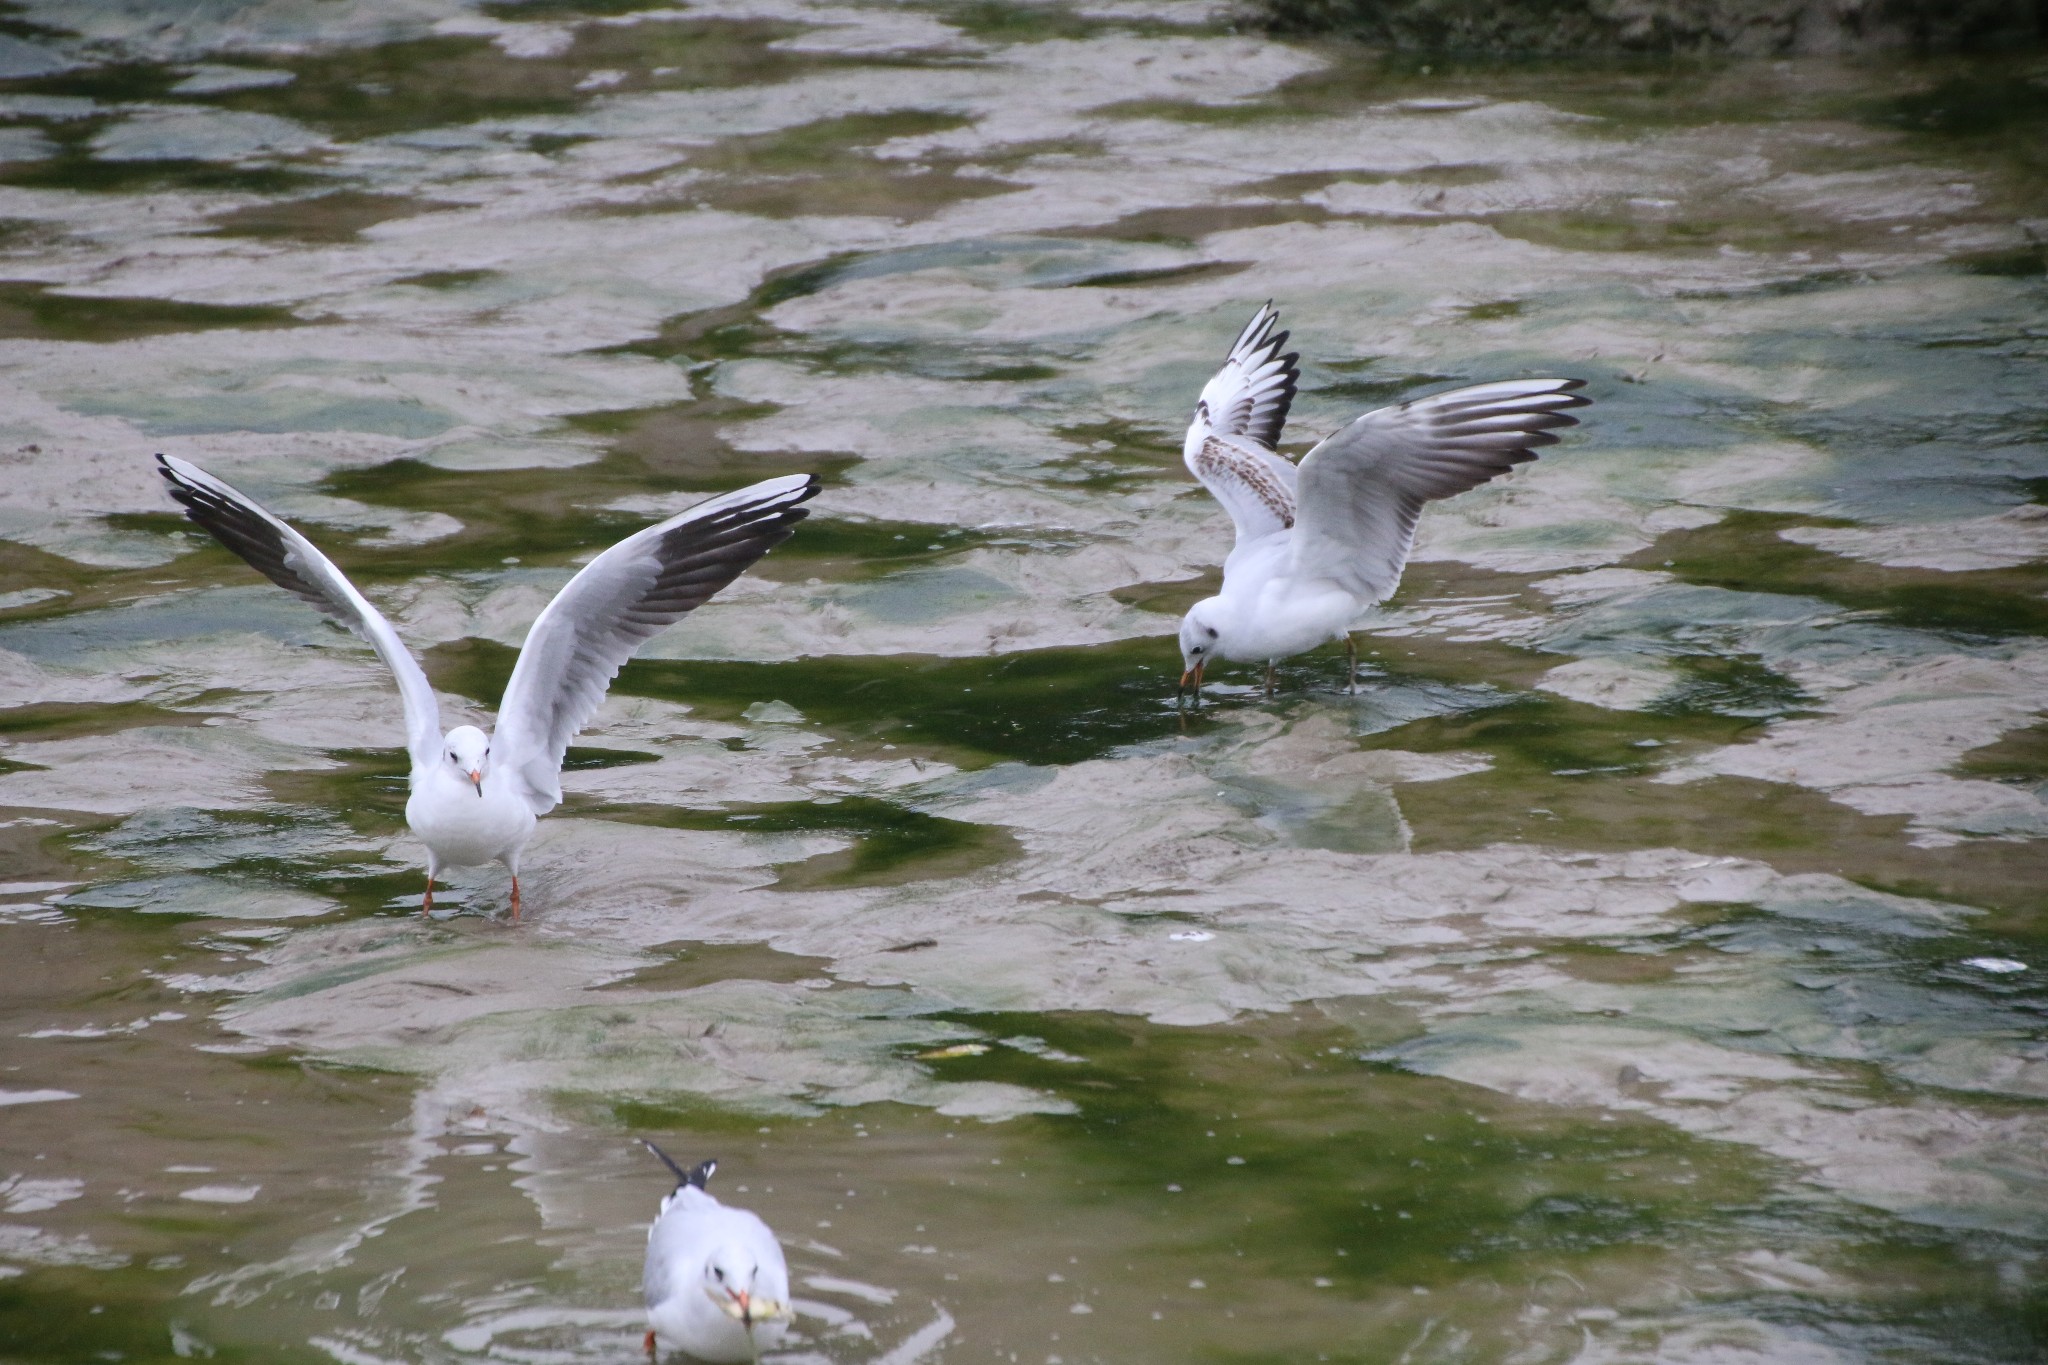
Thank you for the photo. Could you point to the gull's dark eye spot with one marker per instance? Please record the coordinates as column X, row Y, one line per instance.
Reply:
column 719, row 1273
column 1212, row 632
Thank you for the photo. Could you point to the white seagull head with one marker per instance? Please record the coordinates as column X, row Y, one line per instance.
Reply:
column 469, row 749
column 1201, row 635
column 733, row 1280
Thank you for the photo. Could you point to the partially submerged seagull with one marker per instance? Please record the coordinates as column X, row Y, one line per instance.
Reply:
column 475, row 796
column 1320, row 543
column 716, row 1283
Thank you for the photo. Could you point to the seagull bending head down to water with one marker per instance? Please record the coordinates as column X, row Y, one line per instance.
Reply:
column 1320, row 543
column 475, row 796
column 715, row 1281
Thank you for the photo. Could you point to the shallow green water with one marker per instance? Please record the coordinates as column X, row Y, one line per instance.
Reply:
column 1645, row 964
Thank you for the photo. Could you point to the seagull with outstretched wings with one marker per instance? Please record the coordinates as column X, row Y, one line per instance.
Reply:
column 475, row 796
column 1320, row 542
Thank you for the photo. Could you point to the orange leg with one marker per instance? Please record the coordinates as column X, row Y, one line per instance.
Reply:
column 427, row 905
column 515, row 915
column 650, row 1344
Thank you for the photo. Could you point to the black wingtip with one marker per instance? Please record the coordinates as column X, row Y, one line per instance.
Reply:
column 195, row 499
column 698, row 1176
column 171, row 476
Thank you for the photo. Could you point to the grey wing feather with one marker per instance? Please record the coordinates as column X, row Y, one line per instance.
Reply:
column 1363, row 488
column 618, row 602
column 292, row 562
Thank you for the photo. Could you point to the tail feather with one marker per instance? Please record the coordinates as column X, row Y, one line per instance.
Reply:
column 697, row 1177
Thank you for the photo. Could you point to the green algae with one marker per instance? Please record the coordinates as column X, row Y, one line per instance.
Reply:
column 1493, row 311
column 53, row 1315
column 1730, row 685
column 1283, row 1186
column 329, row 856
column 1002, row 22
column 1744, row 552
column 905, row 194
column 2020, row 757
column 1564, row 775
column 78, row 587
column 527, row 10
column 338, row 216
column 447, row 279
column 1243, row 113
column 2024, row 263
column 115, row 82
column 399, row 87
column 64, row 720
column 1037, row 706
column 537, row 517
column 1163, row 275
column 691, row 965
column 891, row 843
column 1116, row 456
column 1281, row 1145
column 703, row 1120
column 698, row 53
column 824, row 145
column 29, row 309
column 1623, row 229
column 967, row 363
column 844, row 550
column 1186, row 226
column 1979, row 104
column 74, row 170
column 680, row 446
column 1375, row 391
column 558, row 518
column 422, row 83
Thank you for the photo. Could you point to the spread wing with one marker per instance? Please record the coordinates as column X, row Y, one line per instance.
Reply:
column 1255, row 486
column 1229, row 445
column 1250, row 395
column 1363, row 488
column 618, row 602
column 289, row 560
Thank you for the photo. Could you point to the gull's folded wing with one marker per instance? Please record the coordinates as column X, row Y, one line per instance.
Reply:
column 289, row 560
column 1363, row 488
column 1229, row 445
column 618, row 602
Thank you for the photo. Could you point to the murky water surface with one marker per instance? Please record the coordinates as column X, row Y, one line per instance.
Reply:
column 1646, row 964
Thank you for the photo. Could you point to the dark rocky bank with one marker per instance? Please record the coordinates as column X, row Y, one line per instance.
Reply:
column 1746, row 27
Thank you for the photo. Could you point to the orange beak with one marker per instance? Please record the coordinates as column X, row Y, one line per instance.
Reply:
column 1193, row 677
column 745, row 1301
column 476, row 778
